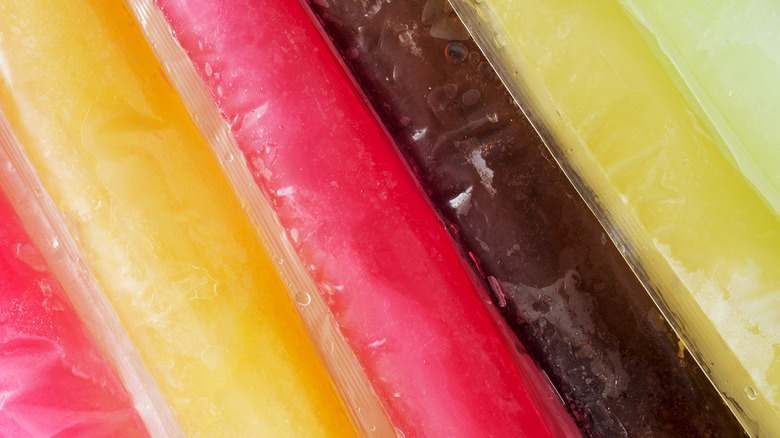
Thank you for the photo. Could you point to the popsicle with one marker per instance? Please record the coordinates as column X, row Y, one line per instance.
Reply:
column 393, row 278
column 555, row 272
column 725, row 59
column 158, row 225
column 54, row 380
column 705, row 244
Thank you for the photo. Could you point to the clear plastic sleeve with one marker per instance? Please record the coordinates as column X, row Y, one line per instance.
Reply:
column 701, row 240
column 146, row 208
column 55, row 378
column 555, row 275
column 381, row 260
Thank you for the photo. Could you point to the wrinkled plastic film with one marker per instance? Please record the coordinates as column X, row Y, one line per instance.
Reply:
column 692, row 228
column 554, row 273
column 725, row 59
column 379, row 256
column 71, row 389
column 351, row 382
column 158, row 226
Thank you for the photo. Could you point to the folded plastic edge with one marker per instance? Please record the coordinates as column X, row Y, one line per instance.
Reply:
column 699, row 99
column 351, row 383
column 48, row 231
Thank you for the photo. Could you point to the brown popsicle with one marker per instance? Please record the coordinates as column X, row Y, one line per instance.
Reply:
column 558, row 280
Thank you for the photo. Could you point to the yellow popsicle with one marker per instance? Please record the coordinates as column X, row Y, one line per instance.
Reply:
column 158, row 224
column 709, row 246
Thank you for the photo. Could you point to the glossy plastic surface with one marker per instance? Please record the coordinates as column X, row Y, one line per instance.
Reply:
column 382, row 260
column 724, row 57
column 54, row 380
column 555, row 274
column 158, row 225
column 697, row 234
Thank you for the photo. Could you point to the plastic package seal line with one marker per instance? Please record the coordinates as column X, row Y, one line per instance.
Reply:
column 700, row 238
column 54, row 378
column 554, row 273
column 439, row 360
column 152, row 217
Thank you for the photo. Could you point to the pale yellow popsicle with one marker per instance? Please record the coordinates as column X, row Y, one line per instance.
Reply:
column 158, row 224
column 697, row 233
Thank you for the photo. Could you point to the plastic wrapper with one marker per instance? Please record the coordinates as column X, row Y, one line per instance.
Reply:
column 725, row 59
column 692, row 227
column 153, row 218
column 383, row 263
column 54, row 378
column 554, row 273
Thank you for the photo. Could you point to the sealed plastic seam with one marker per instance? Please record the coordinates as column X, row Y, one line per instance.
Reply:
column 544, row 391
column 652, row 270
column 350, row 381
column 47, row 229
column 656, row 270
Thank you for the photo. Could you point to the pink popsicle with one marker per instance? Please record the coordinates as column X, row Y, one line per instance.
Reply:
column 54, row 381
column 391, row 275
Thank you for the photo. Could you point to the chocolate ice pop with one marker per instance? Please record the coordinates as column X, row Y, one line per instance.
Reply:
column 558, row 279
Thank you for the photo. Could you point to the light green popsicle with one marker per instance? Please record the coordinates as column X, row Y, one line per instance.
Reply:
column 698, row 235
column 725, row 58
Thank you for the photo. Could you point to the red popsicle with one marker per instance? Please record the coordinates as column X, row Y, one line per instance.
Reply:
column 391, row 275
column 54, row 382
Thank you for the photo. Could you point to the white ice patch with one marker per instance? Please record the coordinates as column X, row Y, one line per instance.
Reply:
column 377, row 343
column 462, row 203
column 485, row 173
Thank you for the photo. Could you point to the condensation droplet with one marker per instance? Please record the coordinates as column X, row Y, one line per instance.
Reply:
column 485, row 68
column 455, row 51
column 751, row 393
column 237, row 122
column 278, row 260
column 500, row 40
column 55, row 243
column 471, row 97
column 228, row 157
column 353, row 53
column 303, row 298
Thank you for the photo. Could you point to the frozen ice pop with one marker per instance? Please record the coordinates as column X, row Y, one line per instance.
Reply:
column 158, row 224
column 385, row 265
column 705, row 244
column 54, row 380
column 556, row 274
column 724, row 57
